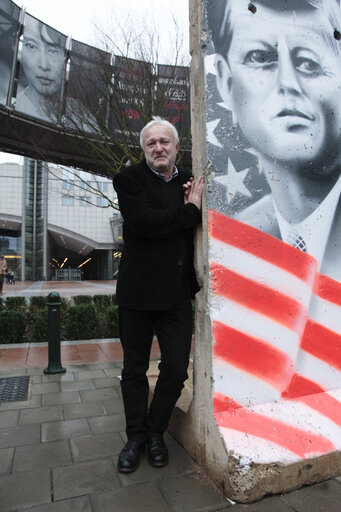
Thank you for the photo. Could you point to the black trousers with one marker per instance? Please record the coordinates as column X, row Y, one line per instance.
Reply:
column 173, row 328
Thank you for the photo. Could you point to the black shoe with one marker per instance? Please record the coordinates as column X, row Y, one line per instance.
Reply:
column 129, row 457
column 157, row 450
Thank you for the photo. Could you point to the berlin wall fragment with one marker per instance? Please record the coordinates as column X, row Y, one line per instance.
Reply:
column 266, row 124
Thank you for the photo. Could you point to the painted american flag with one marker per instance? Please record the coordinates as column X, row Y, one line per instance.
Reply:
column 276, row 346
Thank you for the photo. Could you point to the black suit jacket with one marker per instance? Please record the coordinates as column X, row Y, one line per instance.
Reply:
column 155, row 233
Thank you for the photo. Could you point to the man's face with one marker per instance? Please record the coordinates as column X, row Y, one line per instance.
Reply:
column 42, row 60
column 160, row 148
column 282, row 79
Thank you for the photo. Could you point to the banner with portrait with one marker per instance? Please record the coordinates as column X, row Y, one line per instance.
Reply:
column 41, row 74
column 173, row 94
column 132, row 94
column 87, row 91
column 9, row 27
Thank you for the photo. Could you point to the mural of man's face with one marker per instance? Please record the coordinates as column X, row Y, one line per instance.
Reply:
column 42, row 60
column 282, row 80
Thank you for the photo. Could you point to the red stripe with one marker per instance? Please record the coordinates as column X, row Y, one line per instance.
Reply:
column 262, row 245
column 322, row 343
column 301, row 386
column 328, row 289
column 296, row 440
column 324, row 404
column 223, row 403
column 252, row 355
column 258, row 297
column 313, row 395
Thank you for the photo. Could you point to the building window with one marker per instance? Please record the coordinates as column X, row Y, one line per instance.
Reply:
column 85, row 185
column 84, row 201
column 102, row 201
column 68, row 184
column 67, row 200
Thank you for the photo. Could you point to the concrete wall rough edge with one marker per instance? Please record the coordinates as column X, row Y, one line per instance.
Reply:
column 197, row 429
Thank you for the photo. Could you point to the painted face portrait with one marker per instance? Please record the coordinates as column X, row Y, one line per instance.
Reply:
column 42, row 59
column 281, row 77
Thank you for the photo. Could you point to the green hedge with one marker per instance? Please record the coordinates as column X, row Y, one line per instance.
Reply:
column 13, row 326
column 81, row 322
column 82, row 317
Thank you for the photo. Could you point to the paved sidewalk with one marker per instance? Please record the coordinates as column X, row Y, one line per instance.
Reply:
column 59, row 449
column 65, row 289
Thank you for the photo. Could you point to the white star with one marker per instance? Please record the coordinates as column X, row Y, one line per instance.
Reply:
column 233, row 180
column 210, row 127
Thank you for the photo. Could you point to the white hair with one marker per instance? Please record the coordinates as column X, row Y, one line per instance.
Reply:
column 163, row 122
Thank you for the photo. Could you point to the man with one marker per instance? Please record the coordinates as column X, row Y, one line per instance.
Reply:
column 160, row 205
column 279, row 71
column 3, row 271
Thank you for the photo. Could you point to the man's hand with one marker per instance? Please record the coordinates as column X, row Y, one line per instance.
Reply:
column 193, row 190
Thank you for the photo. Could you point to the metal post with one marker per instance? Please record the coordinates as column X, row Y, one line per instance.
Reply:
column 54, row 365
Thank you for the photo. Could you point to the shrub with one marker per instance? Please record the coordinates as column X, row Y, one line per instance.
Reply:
column 112, row 320
column 2, row 304
column 102, row 301
column 12, row 326
column 38, row 303
column 81, row 322
column 38, row 332
column 15, row 303
column 82, row 299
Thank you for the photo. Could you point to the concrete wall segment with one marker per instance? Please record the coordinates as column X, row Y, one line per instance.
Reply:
column 268, row 334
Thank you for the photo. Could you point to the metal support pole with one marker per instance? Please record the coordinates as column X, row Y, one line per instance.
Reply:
column 54, row 365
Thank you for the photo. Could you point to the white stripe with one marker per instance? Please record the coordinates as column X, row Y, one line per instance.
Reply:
column 326, row 313
column 254, row 324
column 255, row 449
column 318, row 371
column 261, row 271
column 241, row 386
column 301, row 416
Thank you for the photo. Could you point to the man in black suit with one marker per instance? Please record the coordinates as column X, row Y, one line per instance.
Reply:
column 160, row 205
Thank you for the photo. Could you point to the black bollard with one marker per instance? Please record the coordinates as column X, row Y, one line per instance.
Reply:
column 54, row 365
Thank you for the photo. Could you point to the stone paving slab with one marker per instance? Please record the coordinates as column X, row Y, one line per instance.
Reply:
column 80, row 385
column 85, row 478
column 136, row 498
column 106, row 424
column 64, row 430
column 324, row 496
column 188, row 493
column 81, row 504
column 19, row 436
column 24, row 490
column 41, row 456
column 96, row 447
column 6, row 457
column 41, row 415
column 269, row 504
column 63, row 397
column 9, row 419
column 83, row 410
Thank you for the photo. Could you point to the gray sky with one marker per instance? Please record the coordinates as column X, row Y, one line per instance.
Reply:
column 79, row 18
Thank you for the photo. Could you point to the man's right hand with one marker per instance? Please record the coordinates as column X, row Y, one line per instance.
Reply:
column 193, row 190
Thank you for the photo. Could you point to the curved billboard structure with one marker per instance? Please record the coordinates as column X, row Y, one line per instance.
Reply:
column 53, row 88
